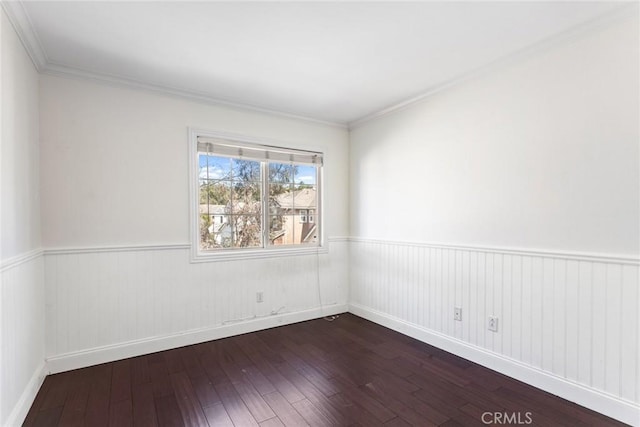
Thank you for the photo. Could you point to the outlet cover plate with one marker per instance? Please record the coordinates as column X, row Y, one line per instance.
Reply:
column 492, row 323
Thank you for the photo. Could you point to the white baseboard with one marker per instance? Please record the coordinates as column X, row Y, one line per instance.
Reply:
column 611, row 406
column 21, row 409
column 95, row 356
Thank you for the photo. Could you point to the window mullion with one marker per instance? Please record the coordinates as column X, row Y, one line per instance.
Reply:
column 265, row 203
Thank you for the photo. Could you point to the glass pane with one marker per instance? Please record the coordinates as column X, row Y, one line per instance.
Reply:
column 305, row 198
column 281, row 230
column 246, row 170
column 246, row 198
column 305, row 176
column 275, row 189
column 231, row 203
column 210, row 231
column 206, row 239
column 214, row 167
column 274, row 209
column 309, row 232
column 215, row 231
column 280, row 198
column 214, row 193
column 246, row 231
column 275, row 226
column 280, row 172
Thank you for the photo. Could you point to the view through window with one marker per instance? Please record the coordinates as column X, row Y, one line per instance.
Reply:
column 248, row 200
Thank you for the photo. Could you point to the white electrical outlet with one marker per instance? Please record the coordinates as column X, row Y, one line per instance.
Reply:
column 457, row 313
column 259, row 297
column 492, row 324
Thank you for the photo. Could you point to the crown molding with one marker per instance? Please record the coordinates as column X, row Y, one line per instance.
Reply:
column 628, row 10
column 28, row 36
column 60, row 70
column 26, row 32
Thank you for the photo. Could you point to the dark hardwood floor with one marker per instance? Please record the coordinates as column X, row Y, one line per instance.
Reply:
column 346, row 372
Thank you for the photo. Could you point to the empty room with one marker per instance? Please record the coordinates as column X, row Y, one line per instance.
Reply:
column 319, row 213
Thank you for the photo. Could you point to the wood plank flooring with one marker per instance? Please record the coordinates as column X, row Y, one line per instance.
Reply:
column 349, row 372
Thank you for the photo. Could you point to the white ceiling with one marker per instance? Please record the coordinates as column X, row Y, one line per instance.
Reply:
column 331, row 61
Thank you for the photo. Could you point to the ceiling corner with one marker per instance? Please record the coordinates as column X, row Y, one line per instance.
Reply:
column 19, row 18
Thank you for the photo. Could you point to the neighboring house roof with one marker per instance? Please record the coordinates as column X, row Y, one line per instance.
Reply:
column 304, row 198
column 212, row 209
column 238, row 208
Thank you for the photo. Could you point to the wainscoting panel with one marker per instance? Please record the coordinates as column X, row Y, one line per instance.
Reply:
column 21, row 335
column 569, row 316
column 141, row 299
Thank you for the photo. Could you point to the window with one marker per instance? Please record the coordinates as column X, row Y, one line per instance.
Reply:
column 253, row 198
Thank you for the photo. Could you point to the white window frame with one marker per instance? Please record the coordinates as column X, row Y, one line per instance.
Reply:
column 268, row 251
column 303, row 215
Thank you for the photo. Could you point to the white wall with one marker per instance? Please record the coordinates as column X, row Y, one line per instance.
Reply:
column 115, row 173
column 20, row 160
column 533, row 166
column 542, row 153
column 115, row 162
column 21, row 271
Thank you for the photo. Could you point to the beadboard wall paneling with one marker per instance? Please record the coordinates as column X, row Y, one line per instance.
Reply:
column 575, row 318
column 102, row 299
column 22, row 335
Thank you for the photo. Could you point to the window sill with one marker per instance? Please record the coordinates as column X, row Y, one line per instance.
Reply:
column 244, row 254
